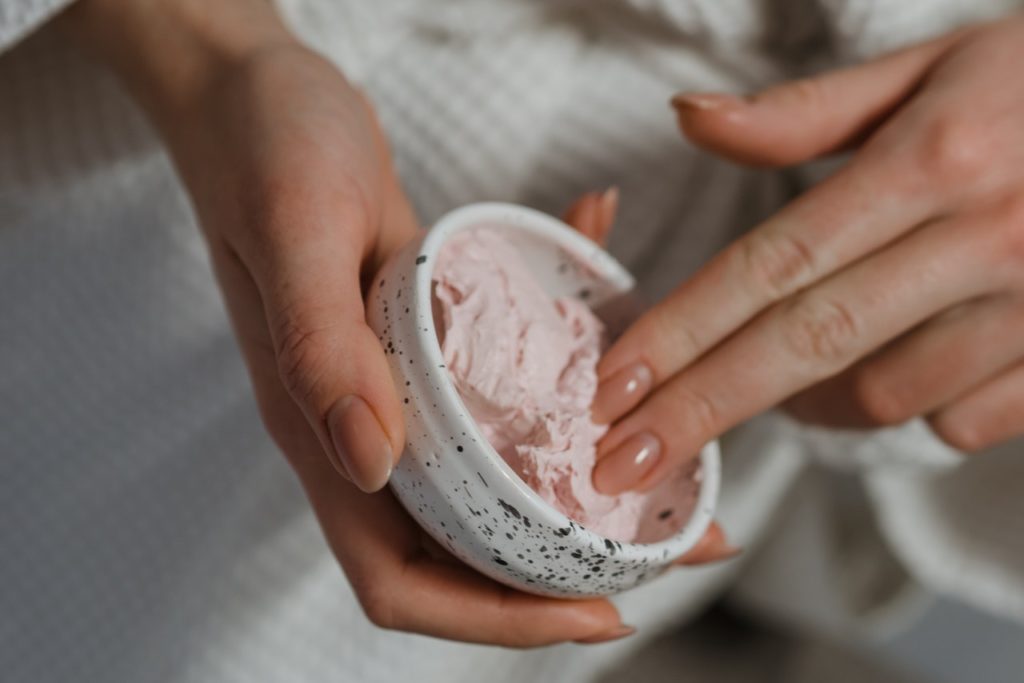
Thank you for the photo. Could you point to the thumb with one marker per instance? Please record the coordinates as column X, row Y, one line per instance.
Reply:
column 803, row 119
column 307, row 270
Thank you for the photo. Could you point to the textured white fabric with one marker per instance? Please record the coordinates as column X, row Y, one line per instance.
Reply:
column 20, row 17
column 148, row 529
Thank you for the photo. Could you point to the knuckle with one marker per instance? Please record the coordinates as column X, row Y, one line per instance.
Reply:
column 696, row 408
column 806, row 93
column 775, row 264
column 379, row 606
column 302, row 355
column 876, row 399
column 954, row 150
column 958, row 433
column 809, row 92
column 517, row 634
column 674, row 341
column 821, row 331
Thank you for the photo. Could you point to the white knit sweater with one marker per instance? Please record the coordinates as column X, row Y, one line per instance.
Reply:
column 148, row 529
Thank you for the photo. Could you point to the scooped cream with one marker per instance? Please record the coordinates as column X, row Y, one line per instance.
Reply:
column 525, row 366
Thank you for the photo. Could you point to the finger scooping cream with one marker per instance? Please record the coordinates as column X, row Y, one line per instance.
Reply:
column 524, row 365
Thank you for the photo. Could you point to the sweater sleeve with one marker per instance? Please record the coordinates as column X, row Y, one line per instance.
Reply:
column 18, row 18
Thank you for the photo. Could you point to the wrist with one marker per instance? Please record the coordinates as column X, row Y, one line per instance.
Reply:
column 168, row 53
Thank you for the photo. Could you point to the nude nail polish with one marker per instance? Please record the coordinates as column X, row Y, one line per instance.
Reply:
column 628, row 464
column 609, row 205
column 621, row 392
column 362, row 447
column 704, row 101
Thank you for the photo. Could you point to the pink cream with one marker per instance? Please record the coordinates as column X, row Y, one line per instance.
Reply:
column 525, row 366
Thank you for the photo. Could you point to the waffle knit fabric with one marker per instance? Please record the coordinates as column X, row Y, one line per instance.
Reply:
column 150, row 532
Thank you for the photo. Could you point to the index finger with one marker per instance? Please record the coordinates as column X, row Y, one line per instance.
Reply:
column 797, row 343
column 847, row 216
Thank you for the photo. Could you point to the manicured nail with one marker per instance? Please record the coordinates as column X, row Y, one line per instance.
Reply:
column 629, row 463
column 362, row 446
column 621, row 392
column 704, row 101
column 609, row 206
column 620, row 631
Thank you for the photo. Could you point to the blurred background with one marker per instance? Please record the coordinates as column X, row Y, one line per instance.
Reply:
column 149, row 529
column 952, row 643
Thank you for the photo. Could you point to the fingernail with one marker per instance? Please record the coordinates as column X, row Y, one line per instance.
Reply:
column 609, row 203
column 360, row 442
column 629, row 463
column 709, row 101
column 621, row 392
column 620, row 631
column 588, row 219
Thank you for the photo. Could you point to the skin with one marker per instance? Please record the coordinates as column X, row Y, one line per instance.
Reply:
column 893, row 289
column 292, row 182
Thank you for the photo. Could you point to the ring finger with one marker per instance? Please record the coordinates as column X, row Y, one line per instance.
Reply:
column 990, row 414
column 929, row 367
column 797, row 343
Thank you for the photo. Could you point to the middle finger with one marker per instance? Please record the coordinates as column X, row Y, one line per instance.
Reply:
column 925, row 369
column 859, row 209
column 798, row 342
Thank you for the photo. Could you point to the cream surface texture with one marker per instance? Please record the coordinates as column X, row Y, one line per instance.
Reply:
column 525, row 366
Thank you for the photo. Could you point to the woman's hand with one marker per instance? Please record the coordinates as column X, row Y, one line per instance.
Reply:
column 293, row 184
column 291, row 179
column 893, row 289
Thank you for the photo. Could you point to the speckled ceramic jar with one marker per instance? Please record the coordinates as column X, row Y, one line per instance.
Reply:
column 450, row 479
